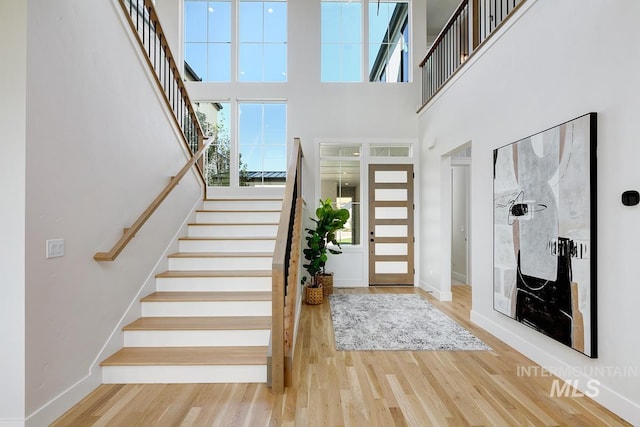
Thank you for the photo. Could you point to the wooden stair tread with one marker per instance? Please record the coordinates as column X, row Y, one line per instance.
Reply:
column 199, row 323
column 220, row 254
column 171, row 356
column 214, row 273
column 207, row 296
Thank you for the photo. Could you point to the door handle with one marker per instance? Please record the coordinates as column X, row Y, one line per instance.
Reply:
column 371, row 240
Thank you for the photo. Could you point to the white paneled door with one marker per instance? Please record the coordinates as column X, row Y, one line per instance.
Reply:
column 391, row 225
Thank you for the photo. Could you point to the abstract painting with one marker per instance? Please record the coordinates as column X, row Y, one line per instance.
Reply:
column 544, row 190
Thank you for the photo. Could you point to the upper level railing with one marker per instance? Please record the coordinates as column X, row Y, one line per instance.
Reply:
column 284, row 278
column 144, row 22
column 143, row 19
column 472, row 23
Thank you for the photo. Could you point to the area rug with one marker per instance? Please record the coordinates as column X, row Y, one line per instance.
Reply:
column 396, row 322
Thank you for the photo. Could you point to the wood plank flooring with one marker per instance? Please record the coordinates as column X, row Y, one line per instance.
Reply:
column 350, row 388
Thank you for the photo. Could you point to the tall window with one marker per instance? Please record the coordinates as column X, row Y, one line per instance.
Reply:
column 262, row 138
column 215, row 121
column 386, row 35
column 341, row 40
column 263, row 41
column 388, row 42
column 340, row 182
column 207, row 35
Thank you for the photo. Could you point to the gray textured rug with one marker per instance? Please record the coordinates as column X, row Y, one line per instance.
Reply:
column 396, row 322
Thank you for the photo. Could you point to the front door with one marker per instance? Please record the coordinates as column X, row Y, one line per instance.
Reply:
column 391, row 225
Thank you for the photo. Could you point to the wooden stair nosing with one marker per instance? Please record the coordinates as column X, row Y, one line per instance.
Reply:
column 199, row 323
column 187, row 356
column 213, row 273
column 203, row 296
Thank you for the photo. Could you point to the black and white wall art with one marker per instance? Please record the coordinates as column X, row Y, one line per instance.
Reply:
column 544, row 189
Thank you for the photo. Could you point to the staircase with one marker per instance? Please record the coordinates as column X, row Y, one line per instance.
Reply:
column 209, row 320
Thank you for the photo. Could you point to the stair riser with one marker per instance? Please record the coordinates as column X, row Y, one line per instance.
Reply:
column 206, row 308
column 237, row 217
column 233, row 230
column 242, row 205
column 223, row 338
column 213, row 284
column 227, row 245
column 184, row 374
column 224, row 263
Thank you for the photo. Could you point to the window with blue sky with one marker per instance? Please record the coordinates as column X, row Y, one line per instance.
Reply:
column 261, row 43
column 207, row 36
column 341, row 41
column 388, row 42
column 262, row 142
column 386, row 33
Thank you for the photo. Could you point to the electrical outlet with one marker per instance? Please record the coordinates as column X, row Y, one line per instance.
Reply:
column 55, row 248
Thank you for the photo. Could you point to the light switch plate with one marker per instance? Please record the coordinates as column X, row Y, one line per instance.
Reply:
column 55, row 248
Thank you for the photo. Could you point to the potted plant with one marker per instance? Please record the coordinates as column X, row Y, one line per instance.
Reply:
column 328, row 221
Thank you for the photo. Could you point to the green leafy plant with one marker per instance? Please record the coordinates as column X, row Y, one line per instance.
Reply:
column 328, row 222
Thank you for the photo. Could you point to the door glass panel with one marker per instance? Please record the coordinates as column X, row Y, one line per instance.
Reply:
column 391, row 213
column 391, row 249
column 391, row 231
column 391, row 267
column 391, row 177
column 390, row 194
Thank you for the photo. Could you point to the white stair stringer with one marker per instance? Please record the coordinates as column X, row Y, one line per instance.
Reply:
column 209, row 320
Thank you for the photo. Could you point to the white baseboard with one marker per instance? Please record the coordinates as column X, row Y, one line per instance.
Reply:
column 459, row 277
column 607, row 397
column 60, row 404
column 442, row 296
column 348, row 283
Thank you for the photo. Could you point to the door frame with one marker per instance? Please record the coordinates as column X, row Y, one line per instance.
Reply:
column 360, row 253
column 466, row 164
column 411, row 242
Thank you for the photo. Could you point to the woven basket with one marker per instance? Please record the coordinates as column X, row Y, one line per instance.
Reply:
column 326, row 280
column 313, row 296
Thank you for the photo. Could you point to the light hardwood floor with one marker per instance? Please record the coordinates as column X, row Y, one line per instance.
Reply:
column 358, row 388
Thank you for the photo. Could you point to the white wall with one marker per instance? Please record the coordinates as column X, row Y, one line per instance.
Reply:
column 557, row 61
column 13, row 80
column 100, row 147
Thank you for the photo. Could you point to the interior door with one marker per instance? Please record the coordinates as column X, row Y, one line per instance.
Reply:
column 391, row 225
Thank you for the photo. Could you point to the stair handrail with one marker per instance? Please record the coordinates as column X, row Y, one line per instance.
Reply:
column 151, row 38
column 284, row 276
column 129, row 233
